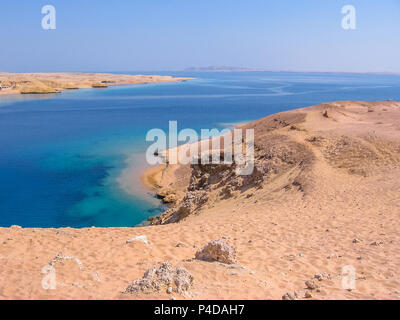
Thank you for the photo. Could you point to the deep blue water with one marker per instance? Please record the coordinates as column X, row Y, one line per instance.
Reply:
column 61, row 155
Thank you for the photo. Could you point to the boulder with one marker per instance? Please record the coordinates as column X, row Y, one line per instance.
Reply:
column 161, row 277
column 217, row 250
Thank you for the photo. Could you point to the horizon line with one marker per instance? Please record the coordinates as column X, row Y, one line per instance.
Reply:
column 222, row 69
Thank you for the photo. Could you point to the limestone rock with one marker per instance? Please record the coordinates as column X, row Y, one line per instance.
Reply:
column 217, row 250
column 160, row 277
column 141, row 238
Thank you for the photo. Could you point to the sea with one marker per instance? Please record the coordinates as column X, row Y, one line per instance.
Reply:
column 62, row 156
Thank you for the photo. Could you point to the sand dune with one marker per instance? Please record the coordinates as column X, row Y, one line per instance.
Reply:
column 29, row 83
column 324, row 195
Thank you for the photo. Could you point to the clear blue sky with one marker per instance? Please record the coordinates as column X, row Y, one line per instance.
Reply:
column 122, row 35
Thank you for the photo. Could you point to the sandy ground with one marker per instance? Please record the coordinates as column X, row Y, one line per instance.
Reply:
column 16, row 83
column 328, row 197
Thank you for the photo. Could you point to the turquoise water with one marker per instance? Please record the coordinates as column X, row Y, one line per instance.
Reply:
column 61, row 155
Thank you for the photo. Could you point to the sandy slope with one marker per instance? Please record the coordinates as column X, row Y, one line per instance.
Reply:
column 326, row 175
column 15, row 83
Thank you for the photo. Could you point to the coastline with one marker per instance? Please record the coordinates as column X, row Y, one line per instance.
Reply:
column 150, row 178
column 328, row 199
column 50, row 83
column 168, row 182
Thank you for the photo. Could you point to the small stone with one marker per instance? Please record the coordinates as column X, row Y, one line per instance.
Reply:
column 333, row 256
column 356, row 240
column 311, row 284
column 322, row 276
column 308, row 295
column 169, row 290
column 301, row 255
column 318, row 277
column 298, row 293
column 235, row 266
column 289, row 296
column 180, row 244
column 291, row 257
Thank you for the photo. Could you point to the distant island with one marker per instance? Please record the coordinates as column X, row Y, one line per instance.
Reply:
column 41, row 83
column 246, row 69
column 220, row 69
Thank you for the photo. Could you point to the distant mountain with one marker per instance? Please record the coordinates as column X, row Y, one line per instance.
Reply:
column 218, row 69
column 240, row 69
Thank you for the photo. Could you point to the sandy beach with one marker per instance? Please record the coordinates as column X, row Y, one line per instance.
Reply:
column 41, row 83
column 324, row 195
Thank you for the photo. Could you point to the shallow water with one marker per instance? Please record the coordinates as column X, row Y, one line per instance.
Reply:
column 61, row 155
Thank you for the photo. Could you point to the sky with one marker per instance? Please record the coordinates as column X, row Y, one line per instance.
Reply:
column 147, row 35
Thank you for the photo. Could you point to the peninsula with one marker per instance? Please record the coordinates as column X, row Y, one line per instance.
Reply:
column 42, row 83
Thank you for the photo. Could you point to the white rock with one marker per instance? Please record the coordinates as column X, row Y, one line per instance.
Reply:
column 141, row 238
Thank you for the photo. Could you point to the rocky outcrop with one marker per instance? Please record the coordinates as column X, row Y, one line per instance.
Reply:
column 274, row 155
column 217, row 250
column 286, row 147
column 99, row 85
column 167, row 195
column 39, row 90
